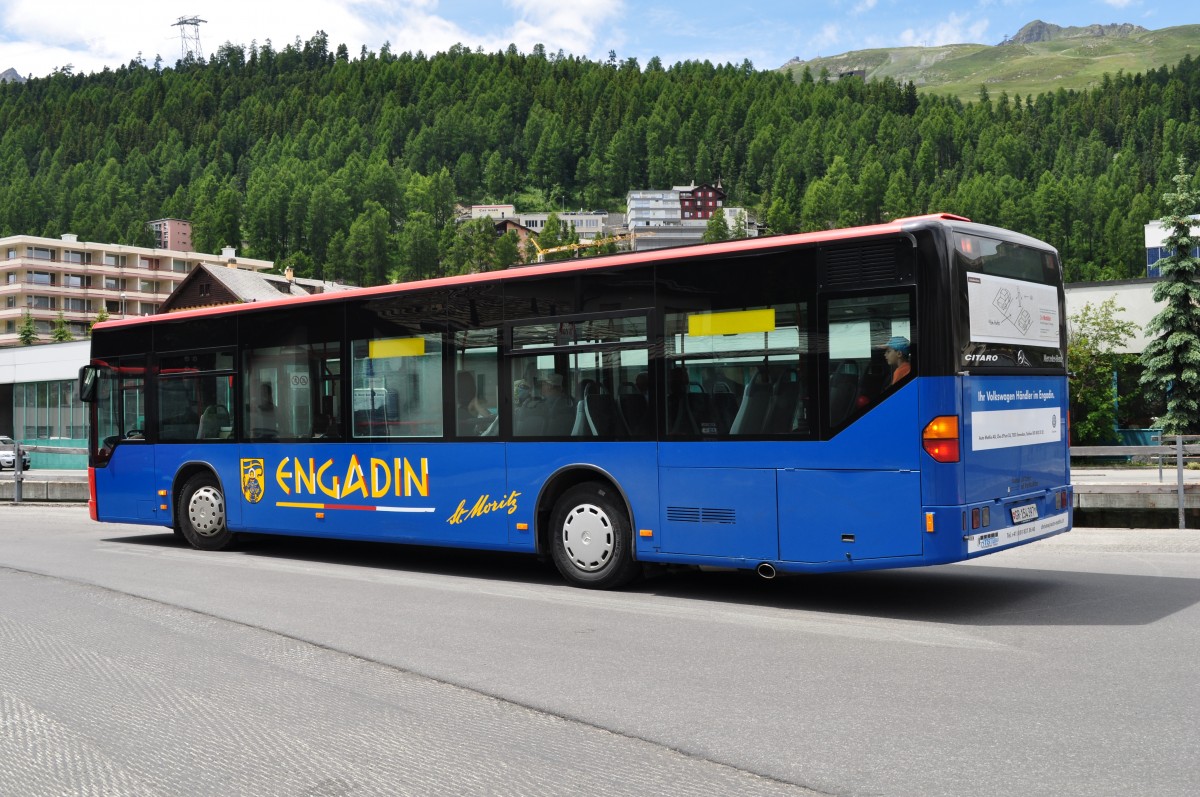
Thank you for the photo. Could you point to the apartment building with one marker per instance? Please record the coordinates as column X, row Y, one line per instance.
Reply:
column 48, row 276
column 660, row 218
column 589, row 224
column 175, row 234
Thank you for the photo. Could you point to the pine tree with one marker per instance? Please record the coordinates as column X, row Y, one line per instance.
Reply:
column 1172, row 356
column 717, row 229
column 27, row 332
column 100, row 318
column 61, row 332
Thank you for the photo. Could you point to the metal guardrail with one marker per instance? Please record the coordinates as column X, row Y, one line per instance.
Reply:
column 19, row 465
column 1186, row 447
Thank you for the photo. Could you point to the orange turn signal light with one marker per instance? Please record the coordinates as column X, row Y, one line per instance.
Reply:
column 939, row 438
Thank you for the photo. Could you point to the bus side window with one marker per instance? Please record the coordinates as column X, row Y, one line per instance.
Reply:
column 862, row 370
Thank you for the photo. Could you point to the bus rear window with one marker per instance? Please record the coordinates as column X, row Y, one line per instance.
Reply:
column 1014, row 316
column 1005, row 259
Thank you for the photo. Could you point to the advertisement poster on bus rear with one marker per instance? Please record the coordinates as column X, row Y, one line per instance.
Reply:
column 1013, row 312
column 1008, row 412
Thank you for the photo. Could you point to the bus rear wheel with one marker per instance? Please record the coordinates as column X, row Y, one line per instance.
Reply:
column 590, row 538
column 200, row 516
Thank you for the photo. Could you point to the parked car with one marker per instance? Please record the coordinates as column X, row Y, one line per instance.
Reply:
column 8, row 458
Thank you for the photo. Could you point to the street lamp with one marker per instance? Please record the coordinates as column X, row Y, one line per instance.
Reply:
column 122, row 304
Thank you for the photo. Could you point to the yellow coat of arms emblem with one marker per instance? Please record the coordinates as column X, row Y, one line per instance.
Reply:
column 254, row 481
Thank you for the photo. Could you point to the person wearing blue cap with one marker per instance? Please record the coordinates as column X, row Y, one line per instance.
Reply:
column 895, row 351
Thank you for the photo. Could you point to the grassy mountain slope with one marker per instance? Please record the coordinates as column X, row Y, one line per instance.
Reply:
column 1068, row 61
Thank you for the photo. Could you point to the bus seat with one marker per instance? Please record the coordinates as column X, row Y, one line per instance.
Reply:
column 560, row 418
column 603, row 417
column 753, row 409
column 213, row 421
column 782, row 407
column 636, row 412
column 582, row 428
column 725, row 405
column 528, row 421
column 843, row 389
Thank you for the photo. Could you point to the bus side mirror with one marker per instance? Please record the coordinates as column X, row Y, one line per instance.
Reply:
column 89, row 378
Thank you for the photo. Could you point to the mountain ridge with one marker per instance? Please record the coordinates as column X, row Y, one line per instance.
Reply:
column 1040, row 57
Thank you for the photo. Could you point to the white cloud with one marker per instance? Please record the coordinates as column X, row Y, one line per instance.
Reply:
column 864, row 6
column 1119, row 3
column 957, row 29
column 829, row 36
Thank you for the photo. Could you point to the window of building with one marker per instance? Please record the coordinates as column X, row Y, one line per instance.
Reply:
column 40, row 302
column 179, row 266
column 39, row 253
column 77, row 281
column 114, row 283
column 74, row 305
column 114, row 260
column 147, row 286
column 73, row 256
column 39, row 278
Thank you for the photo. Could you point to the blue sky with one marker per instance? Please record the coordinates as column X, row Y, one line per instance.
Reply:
column 37, row 36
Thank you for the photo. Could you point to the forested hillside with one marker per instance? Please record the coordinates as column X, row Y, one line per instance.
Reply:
column 349, row 168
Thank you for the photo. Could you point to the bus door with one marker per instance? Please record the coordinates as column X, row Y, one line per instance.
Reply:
column 126, row 482
column 858, row 493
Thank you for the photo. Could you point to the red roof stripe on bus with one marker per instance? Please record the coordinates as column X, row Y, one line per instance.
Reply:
column 562, row 266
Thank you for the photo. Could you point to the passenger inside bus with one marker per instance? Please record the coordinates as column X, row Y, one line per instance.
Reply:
column 473, row 415
column 895, row 351
column 263, row 420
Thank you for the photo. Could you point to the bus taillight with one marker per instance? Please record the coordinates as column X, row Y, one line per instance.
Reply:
column 940, row 438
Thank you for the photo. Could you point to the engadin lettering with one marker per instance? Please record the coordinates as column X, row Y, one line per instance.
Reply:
column 380, row 478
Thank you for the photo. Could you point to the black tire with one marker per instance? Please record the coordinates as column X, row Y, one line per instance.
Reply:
column 200, row 514
column 591, row 539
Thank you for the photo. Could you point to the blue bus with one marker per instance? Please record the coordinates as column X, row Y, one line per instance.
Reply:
column 883, row 396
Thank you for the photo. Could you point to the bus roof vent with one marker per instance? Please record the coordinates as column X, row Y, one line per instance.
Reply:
column 856, row 265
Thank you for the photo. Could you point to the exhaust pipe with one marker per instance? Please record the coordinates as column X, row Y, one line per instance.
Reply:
column 766, row 570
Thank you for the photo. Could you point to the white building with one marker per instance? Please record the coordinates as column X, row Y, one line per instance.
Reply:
column 659, row 218
column 1156, row 236
column 48, row 276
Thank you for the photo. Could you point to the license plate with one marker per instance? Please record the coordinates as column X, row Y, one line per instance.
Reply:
column 1024, row 514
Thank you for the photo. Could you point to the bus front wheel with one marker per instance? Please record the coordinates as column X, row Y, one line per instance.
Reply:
column 590, row 538
column 201, row 514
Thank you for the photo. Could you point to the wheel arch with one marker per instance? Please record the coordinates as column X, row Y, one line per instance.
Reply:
column 186, row 471
column 564, row 479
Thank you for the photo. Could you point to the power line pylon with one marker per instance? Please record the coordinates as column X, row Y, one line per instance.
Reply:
column 189, row 37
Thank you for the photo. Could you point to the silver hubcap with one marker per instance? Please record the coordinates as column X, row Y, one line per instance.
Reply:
column 206, row 511
column 587, row 537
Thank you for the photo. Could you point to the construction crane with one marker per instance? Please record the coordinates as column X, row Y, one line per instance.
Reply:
column 541, row 253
